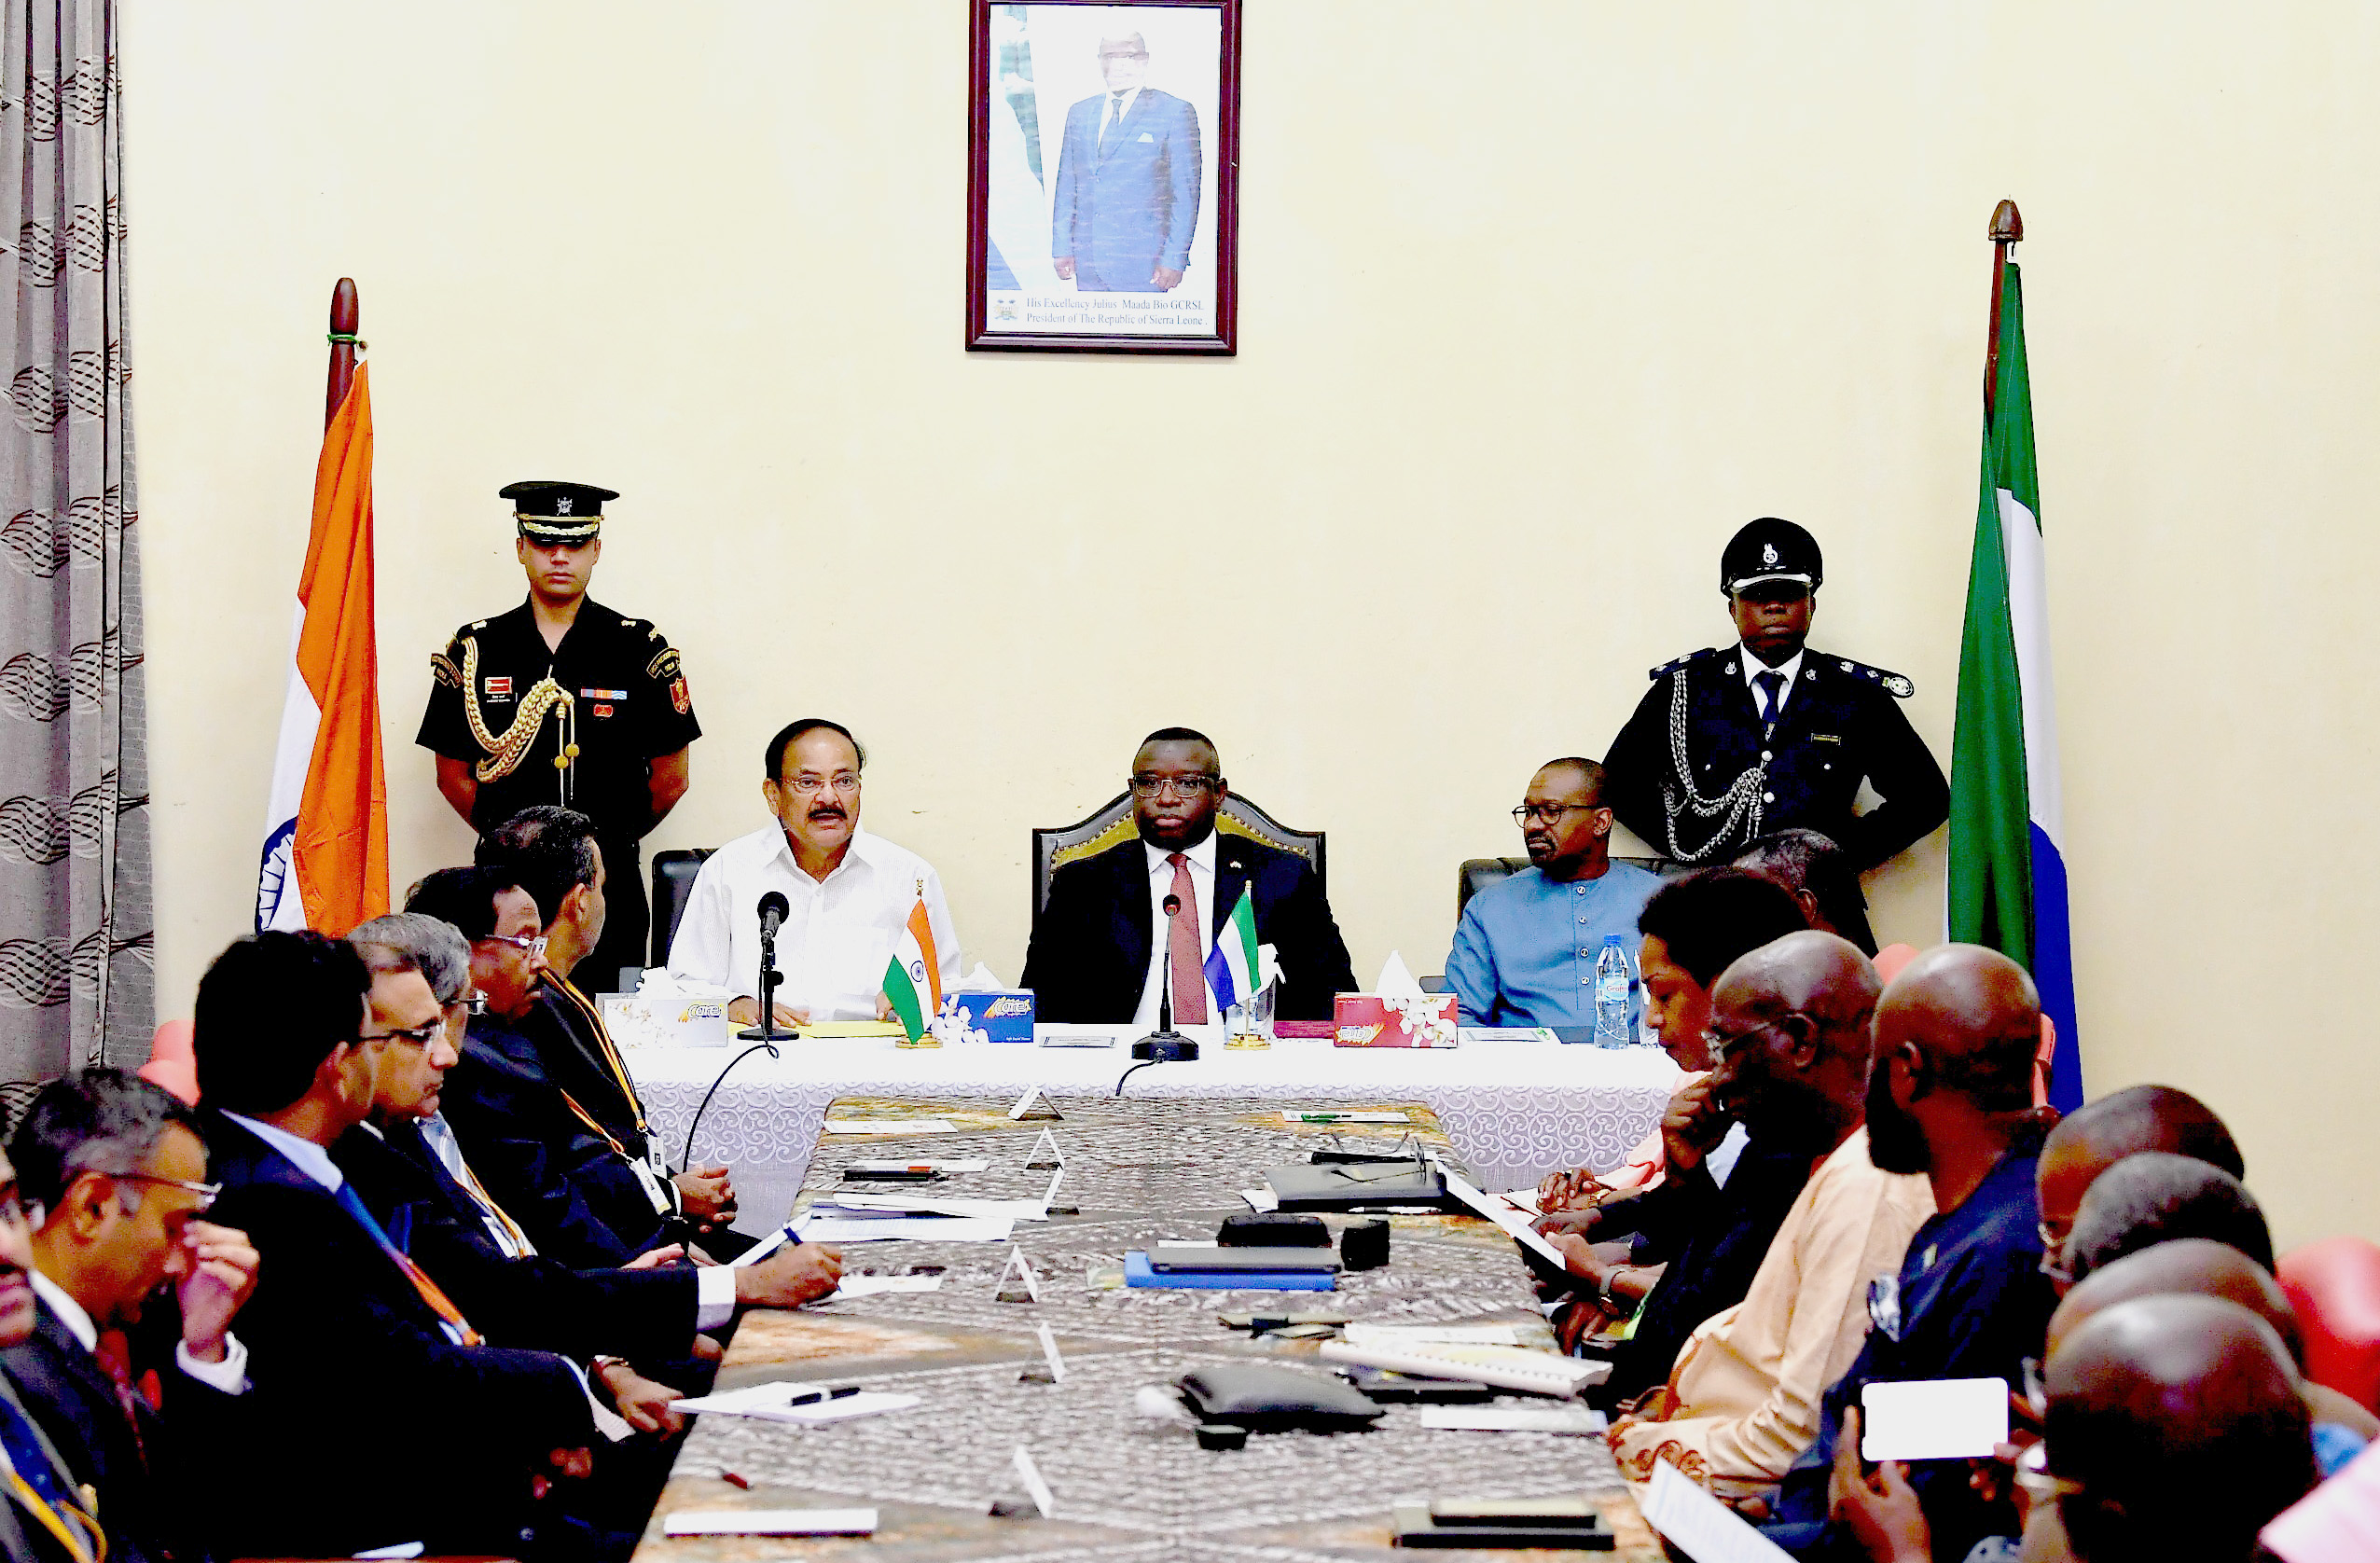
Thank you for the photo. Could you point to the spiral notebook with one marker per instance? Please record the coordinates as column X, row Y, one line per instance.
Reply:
column 1506, row 1367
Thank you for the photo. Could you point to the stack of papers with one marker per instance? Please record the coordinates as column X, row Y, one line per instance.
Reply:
column 1438, row 1335
column 769, row 1522
column 884, row 1227
column 774, row 1403
column 870, row 1286
column 889, row 1126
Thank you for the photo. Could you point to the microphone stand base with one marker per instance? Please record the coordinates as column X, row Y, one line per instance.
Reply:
column 1168, row 1046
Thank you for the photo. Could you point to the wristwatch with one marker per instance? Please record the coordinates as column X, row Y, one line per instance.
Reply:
column 595, row 1366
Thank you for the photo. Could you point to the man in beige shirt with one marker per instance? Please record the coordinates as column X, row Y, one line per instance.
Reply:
column 1789, row 1036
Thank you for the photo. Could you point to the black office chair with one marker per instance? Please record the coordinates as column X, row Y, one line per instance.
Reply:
column 1112, row 825
column 672, row 882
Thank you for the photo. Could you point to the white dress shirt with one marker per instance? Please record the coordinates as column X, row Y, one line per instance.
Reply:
column 229, row 1376
column 1755, row 667
column 837, row 939
column 1202, row 880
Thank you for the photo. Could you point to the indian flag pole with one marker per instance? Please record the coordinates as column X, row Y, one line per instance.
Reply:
column 913, row 978
column 2007, row 854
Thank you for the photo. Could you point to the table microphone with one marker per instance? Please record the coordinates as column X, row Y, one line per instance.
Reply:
column 774, row 909
column 1165, row 1045
column 773, row 912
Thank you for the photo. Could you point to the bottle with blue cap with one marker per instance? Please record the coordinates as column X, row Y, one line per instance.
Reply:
column 1614, row 1026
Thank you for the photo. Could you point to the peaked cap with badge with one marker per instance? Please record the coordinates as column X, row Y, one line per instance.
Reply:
column 578, row 725
column 1701, row 775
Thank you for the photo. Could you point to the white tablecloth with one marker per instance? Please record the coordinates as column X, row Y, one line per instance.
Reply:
column 1516, row 1108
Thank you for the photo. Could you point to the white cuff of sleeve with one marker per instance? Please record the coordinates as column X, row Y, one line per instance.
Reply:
column 229, row 1377
column 715, row 1296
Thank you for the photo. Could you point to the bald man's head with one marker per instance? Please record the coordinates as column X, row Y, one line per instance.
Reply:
column 2098, row 1134
column 2157, row 1197
column 1793, row 1019
column 1954, row 1039
column 2192, row 1267
column 2180, row 1417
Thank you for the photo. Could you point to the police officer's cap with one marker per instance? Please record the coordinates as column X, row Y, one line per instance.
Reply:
column 550, row 512
column 1770, row 549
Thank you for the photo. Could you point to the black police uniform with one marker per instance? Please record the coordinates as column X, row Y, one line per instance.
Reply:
column 605, row 703
column 1700, row 777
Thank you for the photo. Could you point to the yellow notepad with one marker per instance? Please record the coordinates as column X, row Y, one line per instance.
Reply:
column 854, row 1029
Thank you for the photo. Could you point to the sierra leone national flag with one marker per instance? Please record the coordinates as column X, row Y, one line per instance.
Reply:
column 2007, row 857
column 1232, row 964
column 913, row 978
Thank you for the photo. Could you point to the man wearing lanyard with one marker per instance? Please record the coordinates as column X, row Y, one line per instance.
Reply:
column 564, row 702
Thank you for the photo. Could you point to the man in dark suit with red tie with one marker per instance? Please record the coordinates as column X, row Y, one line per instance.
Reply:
column 1100, row 949
column 115, row 1166
column 360, row 1362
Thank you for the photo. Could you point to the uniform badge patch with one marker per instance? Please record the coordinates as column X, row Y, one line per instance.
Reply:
column 602, row 710
column 1900, row 686
column 1768, row 553
column 499, row 689
column 679, row 698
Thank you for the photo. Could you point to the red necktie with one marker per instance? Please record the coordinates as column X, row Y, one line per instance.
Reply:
column 1189, row 971
column 114, row 1355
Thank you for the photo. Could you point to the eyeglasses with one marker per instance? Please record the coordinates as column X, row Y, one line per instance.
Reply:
column 811, row 786
column 1187, row 786
column 206, row 1192
column 1550, row 814
column 526, row 946
column 2042, row 1484
column 1719, row 1042
column 418, row 1036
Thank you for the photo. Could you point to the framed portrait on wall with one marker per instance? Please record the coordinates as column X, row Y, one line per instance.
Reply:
column 1104, row 176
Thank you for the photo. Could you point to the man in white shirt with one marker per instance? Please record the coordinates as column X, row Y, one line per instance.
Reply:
column 850, row 893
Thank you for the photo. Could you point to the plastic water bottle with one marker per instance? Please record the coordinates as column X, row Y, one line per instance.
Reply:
column 1612, row 994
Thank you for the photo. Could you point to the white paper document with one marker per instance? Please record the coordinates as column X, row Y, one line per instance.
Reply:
column 1703, row 1528
column 870, row 1286
column 1491, row 1034
column 769, row 1522
column 762, row 1249
column 1329, row 1116
column 795, row 1401
column 889, row 1126
column 1500, row 1211
column 926, row 1204
column 865, row 1168
column 1939, row 1418
column 1445, row 1335
column 1261, row 1198
column 1514, row 1418
column 893, row 1228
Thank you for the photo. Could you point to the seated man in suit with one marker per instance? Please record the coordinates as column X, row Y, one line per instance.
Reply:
column 411, row 1172
column 552, row 854
column 1525, row 951
column 581, row 1194
column 115, row 1168
column 850, row 893
column 48, row 1501
column 360, row 1362
column 1098, row 953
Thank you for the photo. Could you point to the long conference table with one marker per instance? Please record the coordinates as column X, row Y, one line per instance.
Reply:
column 1120, row 1485
column 1514, row 1108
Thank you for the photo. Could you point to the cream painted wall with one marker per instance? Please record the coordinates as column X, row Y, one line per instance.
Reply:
column 1540, row 302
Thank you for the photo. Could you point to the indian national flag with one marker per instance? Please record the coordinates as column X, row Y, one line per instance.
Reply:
column 913, row 978
column 325, row 863
column 1232, row 964
column 2007, row 864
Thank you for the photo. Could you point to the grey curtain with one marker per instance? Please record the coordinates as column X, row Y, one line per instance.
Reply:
column 74, row 911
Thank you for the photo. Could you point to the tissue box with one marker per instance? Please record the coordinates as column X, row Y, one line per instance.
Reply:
column 1366, row 1020
column 1003, row 1016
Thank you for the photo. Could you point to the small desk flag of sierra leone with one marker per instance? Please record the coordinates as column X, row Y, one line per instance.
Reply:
column 2007, row 862
column 913, row 978
column 1232, row 964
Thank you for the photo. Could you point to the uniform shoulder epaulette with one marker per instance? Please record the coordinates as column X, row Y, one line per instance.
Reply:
column 1892, row 684
column 1667, row 668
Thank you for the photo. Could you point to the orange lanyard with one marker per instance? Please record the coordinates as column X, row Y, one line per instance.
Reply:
column 611, row 1054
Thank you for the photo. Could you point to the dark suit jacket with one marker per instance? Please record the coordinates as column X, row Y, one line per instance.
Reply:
column 1124, row 214
column 1842, row 723
column 533, row 1302
column 1089, row 955
column 146, row 1499
column 371, row 1427
column 569, row 1191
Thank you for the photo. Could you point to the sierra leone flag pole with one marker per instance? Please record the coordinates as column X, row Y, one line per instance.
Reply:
column 1232, row 965
column 2007, row 860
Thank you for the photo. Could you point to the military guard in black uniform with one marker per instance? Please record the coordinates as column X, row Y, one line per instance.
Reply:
column 1729, row 746
column 563, row 701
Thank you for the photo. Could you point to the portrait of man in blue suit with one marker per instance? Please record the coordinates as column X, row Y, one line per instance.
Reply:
column 1125, row 202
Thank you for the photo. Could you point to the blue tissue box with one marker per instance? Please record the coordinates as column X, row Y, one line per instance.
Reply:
column 1137, row 1273
column 1005, row 1017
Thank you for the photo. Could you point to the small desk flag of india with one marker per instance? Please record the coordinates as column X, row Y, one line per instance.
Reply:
column 913, row 978
column 2007, row 862
column 325, row 863
column 1232, row 965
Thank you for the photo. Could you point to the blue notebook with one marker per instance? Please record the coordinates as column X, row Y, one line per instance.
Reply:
column 1137, row 1273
